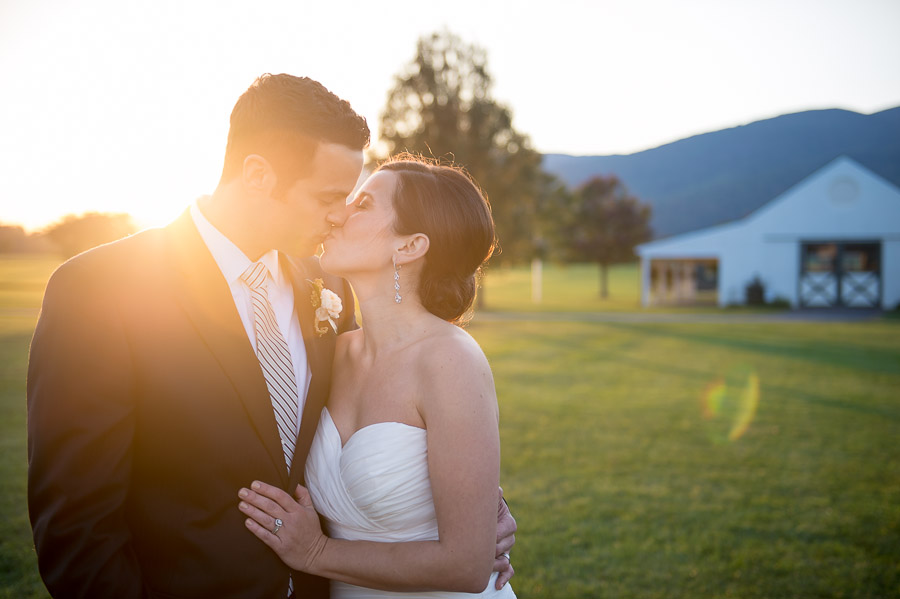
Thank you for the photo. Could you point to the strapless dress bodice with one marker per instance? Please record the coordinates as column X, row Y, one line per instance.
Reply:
column 376, row 488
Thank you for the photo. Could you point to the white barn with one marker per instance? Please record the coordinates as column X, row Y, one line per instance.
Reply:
column 832, row 240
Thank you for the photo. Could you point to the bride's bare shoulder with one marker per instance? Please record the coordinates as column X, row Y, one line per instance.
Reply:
column 449, row 352
column 454, row 380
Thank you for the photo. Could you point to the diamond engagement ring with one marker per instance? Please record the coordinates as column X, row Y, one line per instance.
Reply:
column 278, row 525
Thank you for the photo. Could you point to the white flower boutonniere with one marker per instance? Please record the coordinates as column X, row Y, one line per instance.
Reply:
column 327, row 304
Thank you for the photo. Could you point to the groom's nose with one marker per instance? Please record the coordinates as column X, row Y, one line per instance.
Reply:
column 338, row 215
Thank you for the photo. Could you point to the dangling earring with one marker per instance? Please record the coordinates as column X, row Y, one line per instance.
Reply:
column 397, row 297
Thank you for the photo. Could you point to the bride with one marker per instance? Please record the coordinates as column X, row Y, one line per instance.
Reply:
column 405, row 464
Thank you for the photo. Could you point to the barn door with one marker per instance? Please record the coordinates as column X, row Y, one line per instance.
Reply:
column 860, row 272
column 840, row 274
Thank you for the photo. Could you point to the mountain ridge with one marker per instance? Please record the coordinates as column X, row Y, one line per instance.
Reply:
column 721, row 176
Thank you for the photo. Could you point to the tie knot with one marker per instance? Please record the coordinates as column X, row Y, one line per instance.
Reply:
column 255, row 275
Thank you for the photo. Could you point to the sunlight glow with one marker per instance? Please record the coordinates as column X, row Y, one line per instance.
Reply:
column 113, row 106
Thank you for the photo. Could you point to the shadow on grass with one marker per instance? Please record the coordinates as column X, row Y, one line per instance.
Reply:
column 830, row 356
column 869, row 360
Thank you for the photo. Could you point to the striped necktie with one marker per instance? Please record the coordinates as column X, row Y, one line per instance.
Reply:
column 275, row 360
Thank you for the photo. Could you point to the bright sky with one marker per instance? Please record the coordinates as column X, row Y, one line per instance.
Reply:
column 123, row 106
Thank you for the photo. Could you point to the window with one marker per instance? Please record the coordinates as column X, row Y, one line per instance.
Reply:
column 820, row 257
column 861, row 257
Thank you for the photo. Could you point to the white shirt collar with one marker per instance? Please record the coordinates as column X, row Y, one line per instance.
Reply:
column 229, row 257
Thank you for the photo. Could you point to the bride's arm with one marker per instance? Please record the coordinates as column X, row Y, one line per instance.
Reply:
column 460, row 411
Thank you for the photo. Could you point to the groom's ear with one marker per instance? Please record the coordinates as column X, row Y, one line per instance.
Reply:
column 414, row 247
column 258, row 176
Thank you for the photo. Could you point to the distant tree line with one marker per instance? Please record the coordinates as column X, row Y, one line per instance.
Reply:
column 14, row 240
column 71, row 235
column 441, row 106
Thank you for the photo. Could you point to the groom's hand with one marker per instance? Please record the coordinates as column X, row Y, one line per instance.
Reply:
column 506, row 538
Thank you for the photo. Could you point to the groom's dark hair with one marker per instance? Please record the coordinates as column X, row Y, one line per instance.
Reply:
column 284, row 118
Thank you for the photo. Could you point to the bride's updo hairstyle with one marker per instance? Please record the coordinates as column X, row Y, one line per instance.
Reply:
column 445, row 204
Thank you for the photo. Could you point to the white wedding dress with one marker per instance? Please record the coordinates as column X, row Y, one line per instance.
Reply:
column 376, row 488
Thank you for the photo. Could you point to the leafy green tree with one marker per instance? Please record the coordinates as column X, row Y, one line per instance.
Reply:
column 606, row 224
column 441, row 106
column 75, row 234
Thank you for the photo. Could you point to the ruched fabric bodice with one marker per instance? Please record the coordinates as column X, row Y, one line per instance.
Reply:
column 376, row 488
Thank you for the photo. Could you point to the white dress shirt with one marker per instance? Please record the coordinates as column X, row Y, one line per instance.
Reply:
column 233, row 262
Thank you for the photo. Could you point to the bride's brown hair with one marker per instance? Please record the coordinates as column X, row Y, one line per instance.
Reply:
column 444, row 203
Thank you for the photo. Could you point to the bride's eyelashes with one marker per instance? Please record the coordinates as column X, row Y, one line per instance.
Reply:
column 362, row 202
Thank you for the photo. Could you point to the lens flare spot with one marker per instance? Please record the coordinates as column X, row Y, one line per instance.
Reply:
column 729, row 404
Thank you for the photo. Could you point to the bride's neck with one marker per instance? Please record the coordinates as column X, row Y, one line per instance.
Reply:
column 388, row 325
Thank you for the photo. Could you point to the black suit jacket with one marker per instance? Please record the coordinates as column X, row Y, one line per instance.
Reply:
column 147, row 411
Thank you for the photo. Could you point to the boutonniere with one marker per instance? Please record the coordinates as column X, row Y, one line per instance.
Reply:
column 327, row 304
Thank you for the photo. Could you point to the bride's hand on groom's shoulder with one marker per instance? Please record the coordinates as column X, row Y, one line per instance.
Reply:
column 289, row 526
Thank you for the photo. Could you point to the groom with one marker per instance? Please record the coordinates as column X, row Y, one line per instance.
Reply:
column 148, row 406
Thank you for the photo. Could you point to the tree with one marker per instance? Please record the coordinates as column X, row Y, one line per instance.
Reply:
column 12, row 238
column 606, row 224
column 75, row 234
column 441, row 106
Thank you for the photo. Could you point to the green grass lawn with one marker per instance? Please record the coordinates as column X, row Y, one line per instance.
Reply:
column 573, row 288
column 576, row 288
column 623, row 488
column 22, row 282
column 616, row 458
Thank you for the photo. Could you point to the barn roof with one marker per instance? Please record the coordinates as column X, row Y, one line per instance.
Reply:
column 841, row 199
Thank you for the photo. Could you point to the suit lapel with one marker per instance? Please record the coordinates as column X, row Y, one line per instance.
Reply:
column 207, row 300
column 319, row 353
